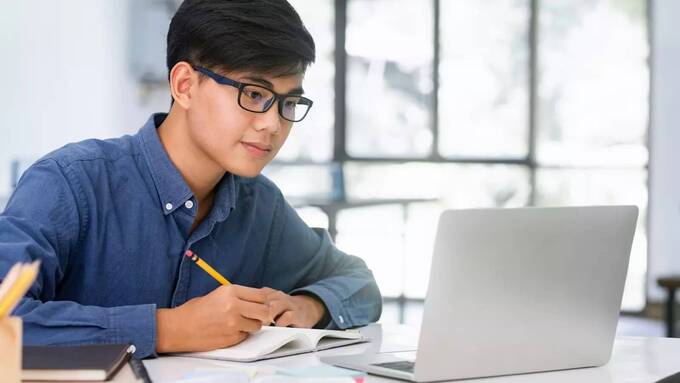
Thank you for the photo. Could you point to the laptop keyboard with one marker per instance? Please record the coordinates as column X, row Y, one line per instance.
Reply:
column 406, row 365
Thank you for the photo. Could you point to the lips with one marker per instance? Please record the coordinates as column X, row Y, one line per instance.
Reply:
column 259, row 145
column 257, row 149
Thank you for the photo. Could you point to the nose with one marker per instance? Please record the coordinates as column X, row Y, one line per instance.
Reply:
column 269, row 120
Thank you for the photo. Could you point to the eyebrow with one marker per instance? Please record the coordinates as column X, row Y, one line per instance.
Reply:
column 296, row 91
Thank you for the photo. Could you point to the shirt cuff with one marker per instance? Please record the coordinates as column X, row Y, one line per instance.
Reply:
column 135, row 325
column 339, row 317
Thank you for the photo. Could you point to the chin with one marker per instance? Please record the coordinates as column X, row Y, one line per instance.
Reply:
column 244, row 171
column 249, row 174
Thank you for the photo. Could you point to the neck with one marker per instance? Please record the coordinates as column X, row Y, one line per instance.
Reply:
column 199, row 171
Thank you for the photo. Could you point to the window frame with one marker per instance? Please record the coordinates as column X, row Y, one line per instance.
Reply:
column 341, row 156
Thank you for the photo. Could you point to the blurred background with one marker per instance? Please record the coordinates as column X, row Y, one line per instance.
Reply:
column 419, row 105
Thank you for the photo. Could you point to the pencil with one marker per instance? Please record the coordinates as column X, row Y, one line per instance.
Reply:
column 207, row 268
column 213, row 273
column 18, row 288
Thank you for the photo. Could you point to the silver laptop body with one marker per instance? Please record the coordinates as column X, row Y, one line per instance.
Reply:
column 516, row 291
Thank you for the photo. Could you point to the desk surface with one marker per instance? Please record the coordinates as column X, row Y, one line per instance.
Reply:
column 634, row 359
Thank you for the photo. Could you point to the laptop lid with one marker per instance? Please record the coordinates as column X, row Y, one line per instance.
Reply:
column 524, row 290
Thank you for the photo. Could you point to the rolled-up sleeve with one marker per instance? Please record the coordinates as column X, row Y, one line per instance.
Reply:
column 304, row 260
column 44, row 220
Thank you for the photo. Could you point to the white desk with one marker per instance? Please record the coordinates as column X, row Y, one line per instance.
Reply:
column 634, row 359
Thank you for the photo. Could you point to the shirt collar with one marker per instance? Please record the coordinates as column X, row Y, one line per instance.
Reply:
column 172, row 190
column 225, row 197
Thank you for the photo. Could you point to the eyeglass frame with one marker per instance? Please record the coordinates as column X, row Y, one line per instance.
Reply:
column 278, row 98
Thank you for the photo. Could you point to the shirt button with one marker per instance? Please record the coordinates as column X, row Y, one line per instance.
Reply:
column 341, row 319
column 168, row 206
column 189, row 204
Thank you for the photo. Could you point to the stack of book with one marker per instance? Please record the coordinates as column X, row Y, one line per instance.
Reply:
column 54, row 363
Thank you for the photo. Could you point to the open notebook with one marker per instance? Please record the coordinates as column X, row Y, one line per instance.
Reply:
column 274, row 342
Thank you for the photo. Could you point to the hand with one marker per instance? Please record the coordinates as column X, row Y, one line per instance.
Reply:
column 293, row 310
column 222, row 318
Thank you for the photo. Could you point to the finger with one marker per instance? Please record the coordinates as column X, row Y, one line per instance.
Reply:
column 255, row 311
column 248, row 325
column 268, row 290
column 273, row 295
column 286, row 319
column 249, row 294
column 242, row 292
column 278, row 307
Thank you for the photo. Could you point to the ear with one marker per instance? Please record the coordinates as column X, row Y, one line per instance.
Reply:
column 182, row 79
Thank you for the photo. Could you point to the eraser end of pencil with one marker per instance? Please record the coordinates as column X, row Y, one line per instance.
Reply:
column 189, row 253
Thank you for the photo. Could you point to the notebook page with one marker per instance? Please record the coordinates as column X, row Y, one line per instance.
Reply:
column 326, row 342
column 323, row 339
column 263, row 342
column 315, row 336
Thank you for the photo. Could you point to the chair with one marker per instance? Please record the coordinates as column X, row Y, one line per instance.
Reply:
column 670, row 283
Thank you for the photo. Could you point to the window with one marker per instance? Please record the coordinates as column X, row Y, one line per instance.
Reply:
column 464, row 103
column 312, row 139
column 592, row 113
column 389, row 78
column 484, row 79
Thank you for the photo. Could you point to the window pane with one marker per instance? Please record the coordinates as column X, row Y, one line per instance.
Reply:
column 605, row 187
column 313, row 217
column 397, row 238
column 594, row 82
column 375, row 234
column 483, row 93
column 389, row 77
column 301, row 181
column 312, row 138
column 454, row 184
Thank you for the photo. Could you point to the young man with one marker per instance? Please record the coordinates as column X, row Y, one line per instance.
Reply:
column 111, row 220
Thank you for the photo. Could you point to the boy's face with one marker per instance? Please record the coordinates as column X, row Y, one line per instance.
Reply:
column 239, row 141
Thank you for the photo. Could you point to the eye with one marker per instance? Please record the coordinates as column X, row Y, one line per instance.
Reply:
column 254, row 94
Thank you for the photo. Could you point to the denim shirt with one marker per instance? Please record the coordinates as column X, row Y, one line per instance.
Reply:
column 110, row 220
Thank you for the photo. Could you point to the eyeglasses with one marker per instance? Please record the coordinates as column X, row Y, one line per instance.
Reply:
column 258, row 99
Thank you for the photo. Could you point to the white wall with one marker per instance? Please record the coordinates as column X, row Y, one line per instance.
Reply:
column 63, row 79
column 664, row 198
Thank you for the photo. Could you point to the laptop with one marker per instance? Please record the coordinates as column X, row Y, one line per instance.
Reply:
column 516, row 291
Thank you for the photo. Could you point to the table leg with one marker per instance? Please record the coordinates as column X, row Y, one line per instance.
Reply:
column 670, row 313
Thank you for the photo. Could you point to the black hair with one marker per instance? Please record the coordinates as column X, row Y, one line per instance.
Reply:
column 261, row 36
